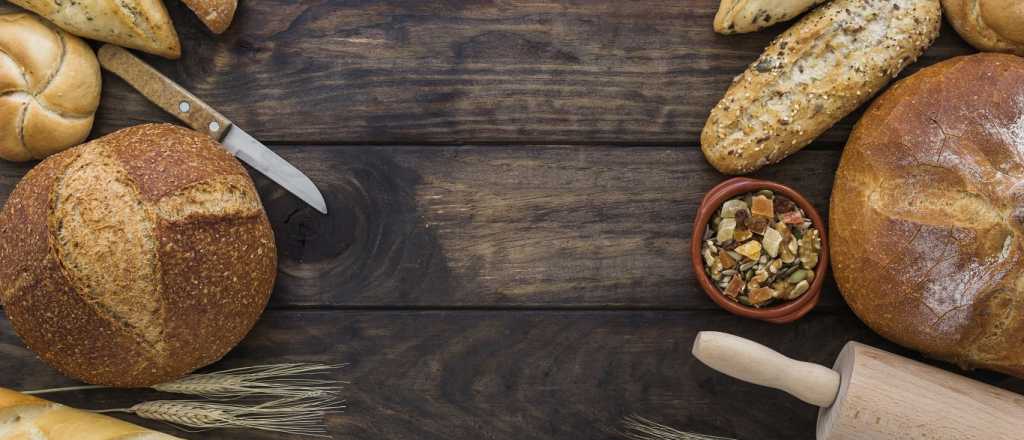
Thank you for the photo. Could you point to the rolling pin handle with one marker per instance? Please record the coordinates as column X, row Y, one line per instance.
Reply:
column 751, row 362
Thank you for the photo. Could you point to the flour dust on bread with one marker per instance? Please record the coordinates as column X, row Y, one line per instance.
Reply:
column 24, row 417
column 137, row 24
column 927, row 213
column 818, row 71
column 989, row 25
column 742, row 16
column 136, row 258
column 49, row 88
column 215, row 14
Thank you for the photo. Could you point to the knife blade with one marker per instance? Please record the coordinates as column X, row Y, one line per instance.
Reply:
column 179, row 102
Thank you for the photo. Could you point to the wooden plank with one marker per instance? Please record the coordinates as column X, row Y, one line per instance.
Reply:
column 508, row 71
column 495, row 226
column 522, row 375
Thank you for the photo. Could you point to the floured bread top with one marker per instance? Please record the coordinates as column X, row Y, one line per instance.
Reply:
column 155, row 235
column 927, row 213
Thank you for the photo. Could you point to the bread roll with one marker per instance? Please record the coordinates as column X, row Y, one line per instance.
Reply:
column 215, row 14
column 821, row 69
column 136, row 258
column 989, row 25
column 49, row 88
column 138, row 24
column 742, row 16
column 927, row 213
column 24, row 417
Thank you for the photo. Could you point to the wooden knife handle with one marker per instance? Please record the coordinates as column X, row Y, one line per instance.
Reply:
column 163, row 92
column 751, row 362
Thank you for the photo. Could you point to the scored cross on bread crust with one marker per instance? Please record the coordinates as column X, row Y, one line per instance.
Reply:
column 136, row 258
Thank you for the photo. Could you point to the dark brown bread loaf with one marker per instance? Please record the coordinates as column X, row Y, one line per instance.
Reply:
column 927, row 213
column 136, row 258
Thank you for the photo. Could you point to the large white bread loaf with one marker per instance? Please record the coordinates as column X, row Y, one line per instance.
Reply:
column 137, row 24
column 821, row 69
column 24, row 417
column 49, row 88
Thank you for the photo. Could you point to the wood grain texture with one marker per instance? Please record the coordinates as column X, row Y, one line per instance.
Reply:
column 515, row 374
column 509, row 227
column 525, row 227
column 482, row 71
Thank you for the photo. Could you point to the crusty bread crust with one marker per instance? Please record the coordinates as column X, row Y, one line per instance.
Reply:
column 27, row 417
column 742, row 16
column 927, row 239
column 989, row 25
column 821, row 69
column 215, row 14
column 49, row 88
column 138, row 24
column 136, row 258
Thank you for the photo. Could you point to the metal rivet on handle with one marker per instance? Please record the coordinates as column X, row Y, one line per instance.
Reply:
column 184, row 106
column 214, row 126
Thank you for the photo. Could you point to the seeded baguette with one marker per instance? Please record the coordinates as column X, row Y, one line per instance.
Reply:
column 821, row 69
column 742, row 16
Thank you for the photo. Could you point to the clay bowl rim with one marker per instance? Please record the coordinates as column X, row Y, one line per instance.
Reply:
column 782, row 313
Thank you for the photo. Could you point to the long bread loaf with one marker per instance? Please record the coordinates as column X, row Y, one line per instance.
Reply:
column 821, row 69
column 26, row 417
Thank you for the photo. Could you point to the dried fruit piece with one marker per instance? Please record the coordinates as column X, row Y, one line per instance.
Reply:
column 792, row 218
column 758, row 224
column 727, row 261
column 783, row 204
column 751, row 250
column 761, row 295
column 730, row 208
column 771, row 241
column 735, row 286
column 743, row 218
column 761, row 206
column 775, row 266
column 742, row 235
column 725, row 230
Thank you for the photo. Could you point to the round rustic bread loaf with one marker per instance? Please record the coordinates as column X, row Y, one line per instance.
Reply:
column 49, row 88
column 989, row 25
column 927, row 213
column 135, row 258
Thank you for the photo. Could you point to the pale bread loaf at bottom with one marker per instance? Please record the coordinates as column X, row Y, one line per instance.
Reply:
column 24, row 417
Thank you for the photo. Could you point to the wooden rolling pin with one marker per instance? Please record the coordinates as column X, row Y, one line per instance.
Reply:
column 871, row 394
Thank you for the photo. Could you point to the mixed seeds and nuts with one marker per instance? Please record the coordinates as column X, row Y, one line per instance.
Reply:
column 761, row 249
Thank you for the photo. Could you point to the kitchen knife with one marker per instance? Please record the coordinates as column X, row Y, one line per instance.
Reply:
column 201, row 117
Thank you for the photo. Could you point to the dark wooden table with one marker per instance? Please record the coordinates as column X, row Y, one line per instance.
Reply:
column 511, row 186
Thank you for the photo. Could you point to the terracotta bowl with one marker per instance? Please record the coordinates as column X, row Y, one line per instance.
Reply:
column 779, row 314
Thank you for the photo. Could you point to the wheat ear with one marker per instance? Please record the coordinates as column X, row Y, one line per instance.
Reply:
column 639, row 428
column 278, row 380
column 293, row 415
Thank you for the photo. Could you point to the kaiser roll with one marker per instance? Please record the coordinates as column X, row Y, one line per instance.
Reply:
column 927, row 213
column 135, row 258
column 49, row 88
column 989, row 25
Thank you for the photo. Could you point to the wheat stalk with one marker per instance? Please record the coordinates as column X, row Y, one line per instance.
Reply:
column 639, row 428
column 276, row 380
column 293, row 415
